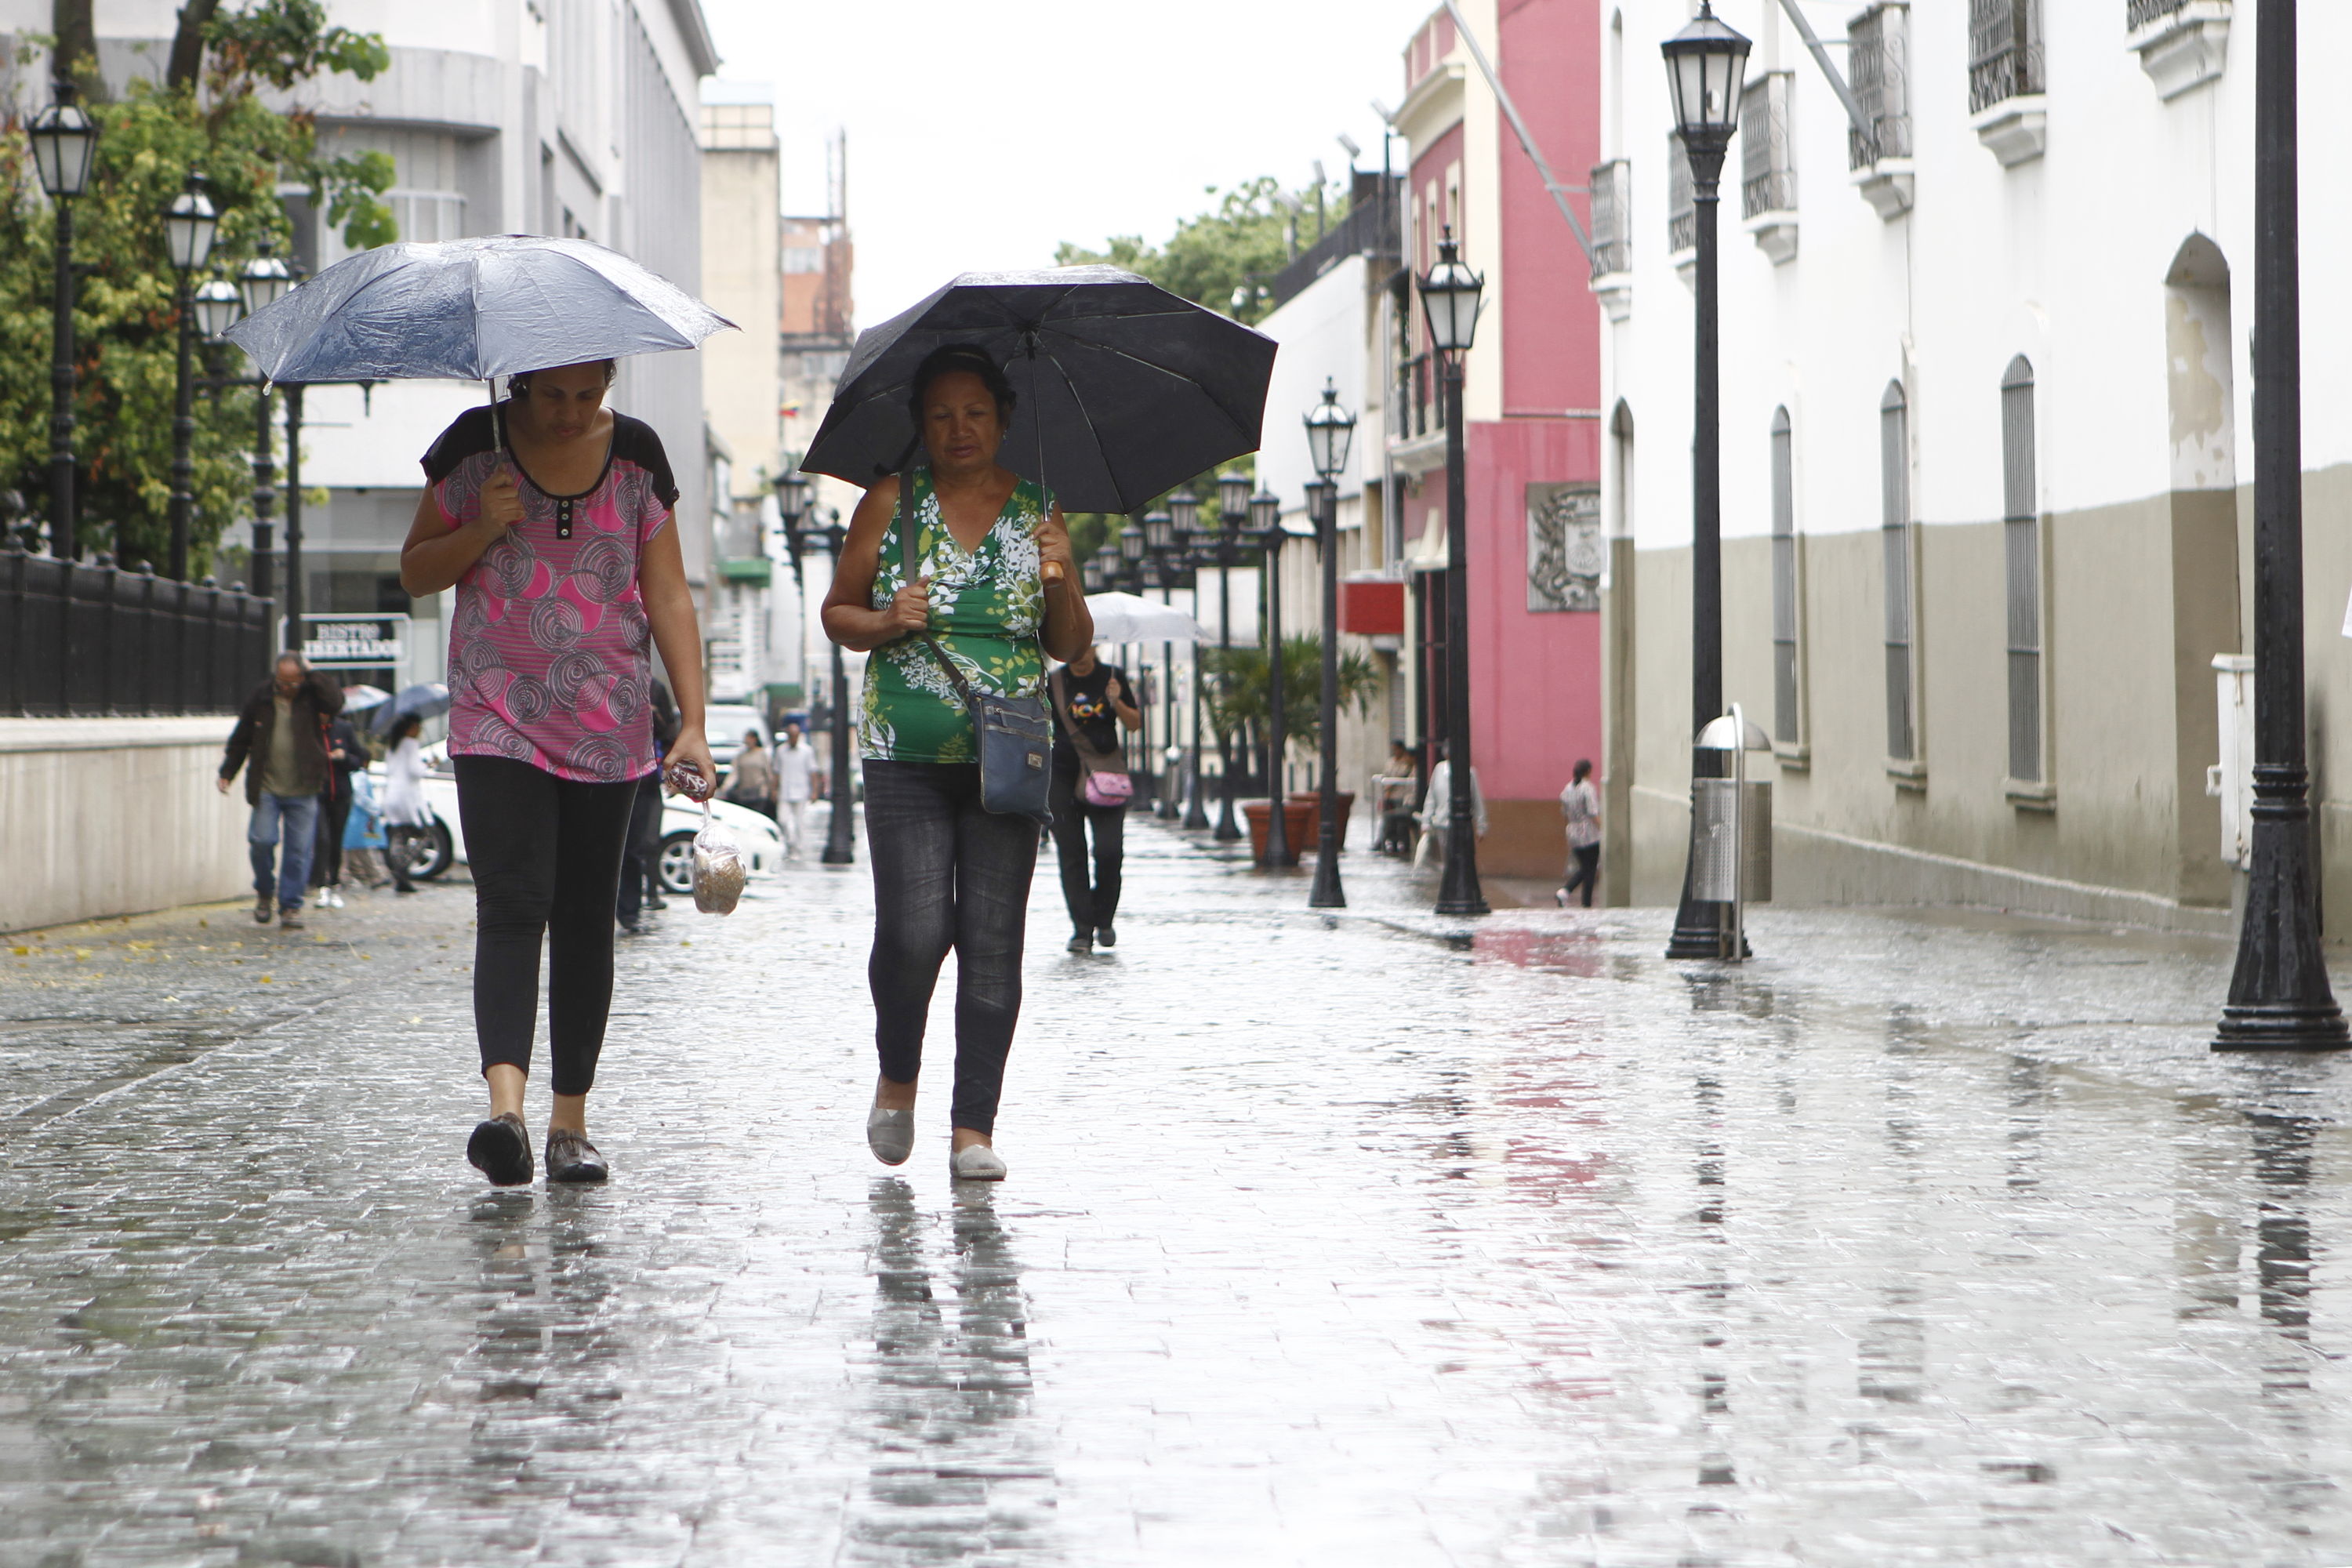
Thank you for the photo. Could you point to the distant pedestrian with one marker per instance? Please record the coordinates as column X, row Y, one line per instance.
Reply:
column 281, row 732
column 1394, row 802
column 1091, row 702
column 753, row 784
column 1581, row 803
column 966, row 588
column 641, row 887
column 407, row 817
column 793, row 762
column 551, row 516
column 363, row 839
column 1438, row 810
column 349, row 759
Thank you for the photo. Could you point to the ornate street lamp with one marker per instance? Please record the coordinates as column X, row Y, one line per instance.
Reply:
column 262, row 282
column 801, row 535
column 64, row 139
column 219, row 307
column 1162, row 570
column 189, row 225
column 1449, row 303
column 2279, row 994
column 1706, row 63
column 1266, row 534
column 1330, row 432
column 1185, row 545
column 1220, row 547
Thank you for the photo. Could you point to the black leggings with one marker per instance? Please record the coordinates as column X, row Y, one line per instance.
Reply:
column 1094, row 905
column 334, row 815
column 546, row 858
column 947, row 875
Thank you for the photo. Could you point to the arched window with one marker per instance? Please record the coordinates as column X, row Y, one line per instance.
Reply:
column 1786, row 728
column 2021, row 541
column 1894, row 548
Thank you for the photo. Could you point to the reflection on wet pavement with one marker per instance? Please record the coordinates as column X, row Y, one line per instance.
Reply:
column 1355, row 1239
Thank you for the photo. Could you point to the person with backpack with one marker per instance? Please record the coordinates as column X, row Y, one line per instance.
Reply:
column 1091, row 788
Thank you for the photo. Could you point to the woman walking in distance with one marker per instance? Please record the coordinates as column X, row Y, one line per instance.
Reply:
column 982, row 576
column 550, row 515
column 1091, row 702
column 1581, row 803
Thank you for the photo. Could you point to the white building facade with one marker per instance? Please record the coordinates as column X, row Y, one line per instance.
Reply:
column 1985, row 392
column 563, row 116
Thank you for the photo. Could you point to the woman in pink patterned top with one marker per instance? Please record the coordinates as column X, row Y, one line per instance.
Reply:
column 557, row 541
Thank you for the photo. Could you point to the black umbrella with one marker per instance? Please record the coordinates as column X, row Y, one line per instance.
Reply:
column 1124, row 390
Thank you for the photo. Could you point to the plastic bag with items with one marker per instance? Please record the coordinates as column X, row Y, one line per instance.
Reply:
column 719, row 869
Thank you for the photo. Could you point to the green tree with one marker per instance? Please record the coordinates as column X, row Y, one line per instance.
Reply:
column 126, row 311
column 1223, row 258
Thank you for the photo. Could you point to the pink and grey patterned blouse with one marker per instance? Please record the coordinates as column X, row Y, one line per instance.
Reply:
column 549, row 661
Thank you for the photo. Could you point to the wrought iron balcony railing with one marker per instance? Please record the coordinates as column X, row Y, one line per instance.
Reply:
column 1880, row 62
column 1767, row 165
column 2004, row 52
column 1612, row 218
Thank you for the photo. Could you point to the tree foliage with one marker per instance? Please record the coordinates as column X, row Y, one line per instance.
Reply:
column 1223, row 258
column 126, row 319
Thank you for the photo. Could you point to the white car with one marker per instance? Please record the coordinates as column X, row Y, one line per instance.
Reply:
column 761, row 841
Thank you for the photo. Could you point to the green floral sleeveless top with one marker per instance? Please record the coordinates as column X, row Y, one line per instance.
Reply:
column 987, row 608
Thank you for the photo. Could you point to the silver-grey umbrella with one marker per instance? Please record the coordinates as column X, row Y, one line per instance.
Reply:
column 471, row 310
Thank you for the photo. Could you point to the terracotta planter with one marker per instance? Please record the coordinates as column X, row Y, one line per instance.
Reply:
column 1314, row 799
column 1296, row 816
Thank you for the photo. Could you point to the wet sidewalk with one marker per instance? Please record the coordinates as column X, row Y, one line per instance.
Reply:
column 1365, row 1240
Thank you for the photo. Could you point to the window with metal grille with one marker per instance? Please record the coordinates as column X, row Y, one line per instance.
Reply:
column 1767, row 165
column 1682, row 213
column 1785, row 717
column 2021, row 539
column 2004, row 52
column 1612, row 218
column 1879, row 52
column 1894, row 539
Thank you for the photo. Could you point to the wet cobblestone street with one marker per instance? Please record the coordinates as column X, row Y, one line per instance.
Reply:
column 1373, row 1240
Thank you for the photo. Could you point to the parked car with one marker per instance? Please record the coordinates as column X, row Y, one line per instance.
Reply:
column 761, row 840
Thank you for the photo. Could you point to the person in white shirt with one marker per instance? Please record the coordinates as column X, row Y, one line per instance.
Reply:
column 1581, row 803
column 793, row 762
column 1437, row 811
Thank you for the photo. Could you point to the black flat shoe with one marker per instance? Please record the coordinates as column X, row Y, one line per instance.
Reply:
column 571, row 1158
column 500, row 1149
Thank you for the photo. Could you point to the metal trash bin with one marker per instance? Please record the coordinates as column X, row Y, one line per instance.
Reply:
column 1712, row 870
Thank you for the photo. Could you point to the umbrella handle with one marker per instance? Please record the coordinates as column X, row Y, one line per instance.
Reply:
column 1051, row 572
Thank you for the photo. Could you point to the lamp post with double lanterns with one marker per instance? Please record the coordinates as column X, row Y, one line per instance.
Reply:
column 1706, row 63
column 64, row 140
column 189, row 225
column 1267, row 535
column 1449, row 303
column 1184, row 554
column 803, row 534
column 264, row 280
column 1330, row 432
column 1219, row 548
column 1161, row 570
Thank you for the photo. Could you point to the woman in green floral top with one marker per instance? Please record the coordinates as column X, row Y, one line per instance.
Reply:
column 992, row 580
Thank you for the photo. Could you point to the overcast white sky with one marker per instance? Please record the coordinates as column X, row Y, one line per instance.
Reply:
column 982, row 135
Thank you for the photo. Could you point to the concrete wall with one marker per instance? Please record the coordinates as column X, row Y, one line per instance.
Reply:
column 113, row 816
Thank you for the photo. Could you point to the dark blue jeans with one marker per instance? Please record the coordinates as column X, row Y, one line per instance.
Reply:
column 294, row 818
column 947, row 875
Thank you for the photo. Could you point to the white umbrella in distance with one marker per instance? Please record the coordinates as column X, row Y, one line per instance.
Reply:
column 1127, row 617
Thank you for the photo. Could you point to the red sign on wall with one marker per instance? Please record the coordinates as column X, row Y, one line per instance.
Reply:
column 1373, row 608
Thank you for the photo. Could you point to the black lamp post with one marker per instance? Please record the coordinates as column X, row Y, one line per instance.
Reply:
column 189, row 225
column 1330, row 431
column 1449, row 300
column 801, row 535
column 1186, row 545
column 1704, row 65
column 264, row 280
column 1268, row 534
column 64, row 138
column 2279, row 996
column 1219, row 547
column 1159, row 542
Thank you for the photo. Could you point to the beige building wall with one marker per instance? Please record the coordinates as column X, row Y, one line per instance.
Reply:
column 742, row 279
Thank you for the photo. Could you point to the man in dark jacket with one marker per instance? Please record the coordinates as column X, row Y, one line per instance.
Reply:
column 282, row 730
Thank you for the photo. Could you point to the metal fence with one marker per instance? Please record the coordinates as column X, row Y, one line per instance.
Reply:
column 2004, row 52
column 1768, row 167
column 96, row 640
column 1612, row 218
column 1880, row 56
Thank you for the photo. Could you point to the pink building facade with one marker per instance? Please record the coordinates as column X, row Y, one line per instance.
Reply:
column 1532, row 428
